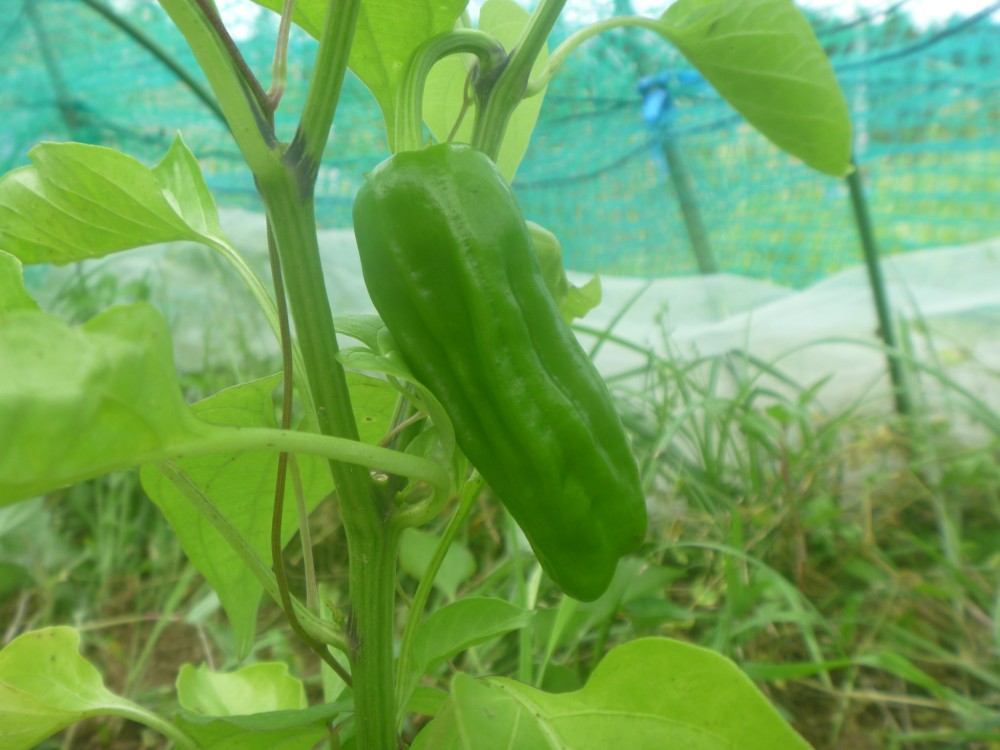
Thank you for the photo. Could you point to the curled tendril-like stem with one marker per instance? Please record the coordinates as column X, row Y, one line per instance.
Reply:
column 279, row 488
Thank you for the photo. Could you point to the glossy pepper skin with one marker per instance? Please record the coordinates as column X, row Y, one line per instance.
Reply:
column 450, row 267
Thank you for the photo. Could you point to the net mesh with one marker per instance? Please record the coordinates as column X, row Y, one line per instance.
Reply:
column 599, row 173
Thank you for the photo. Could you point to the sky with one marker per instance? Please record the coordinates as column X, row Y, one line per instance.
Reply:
column 923, row 11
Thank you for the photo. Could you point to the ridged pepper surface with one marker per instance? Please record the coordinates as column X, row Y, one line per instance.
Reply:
column 450, row 267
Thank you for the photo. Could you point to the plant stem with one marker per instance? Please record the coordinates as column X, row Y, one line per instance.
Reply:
column 279, row 68
column 525, row 649
column 306, row 149
column 409, row 101
column 370, row 638
column 371, row 540
column 404, row 682
column 286, row 180
column 138, row 714
column 246, row 118
column 318, row 628
column 507, row 91
column 340, row 450
column 557, row 58
column 211, row 14
column 277, row 560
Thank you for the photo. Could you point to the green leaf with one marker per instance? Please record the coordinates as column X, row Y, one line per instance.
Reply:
column 763, row 57
column 480, row 715
column 308, row 14
column 13, row 295
column 573, row 301
column 444, row 92
column 391, row 364
column 274, row 730
column 580, row 300
column 416, row 548
column 387, row 33
column 460, row 625
column 649, row 693
column 363, row 328
column 45, row 685
column 183, row 186
column 253, row 689
column 426, row 700
column 76, row 201
column 241, row 487
column 77, row 403
column 374, row 403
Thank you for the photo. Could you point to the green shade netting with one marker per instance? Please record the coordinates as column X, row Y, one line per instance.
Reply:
column 925, row 99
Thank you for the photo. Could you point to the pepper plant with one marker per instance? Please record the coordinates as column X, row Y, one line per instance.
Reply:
column 470, row 377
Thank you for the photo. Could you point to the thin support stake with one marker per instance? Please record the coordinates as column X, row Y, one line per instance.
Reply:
column 684, row 186
column 886, row 329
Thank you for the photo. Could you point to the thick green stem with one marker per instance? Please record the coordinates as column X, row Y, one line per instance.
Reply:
column 509, row 88
column 329, row 68
column 286, row 179
column 236, row 95
column 371, row 541
column 370, row 638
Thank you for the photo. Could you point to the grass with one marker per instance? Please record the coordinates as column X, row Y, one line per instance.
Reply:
column 848, row 559
column 849, row 562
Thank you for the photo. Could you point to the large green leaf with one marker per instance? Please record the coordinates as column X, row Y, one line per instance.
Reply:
column 76, row 201
column 387, row 33
column 648, row 694
column 45, row 685
column 265, row 686
column 374, row 404
column 13, row 295
column 445, row 90
column 241, row 487
column 461, row 625
column 764, row 59
column 274, row 730
column 76, row 403
column 416, row 548
column 391, row 364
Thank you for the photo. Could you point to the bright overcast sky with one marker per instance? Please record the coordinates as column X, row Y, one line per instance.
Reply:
column 924, row 11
